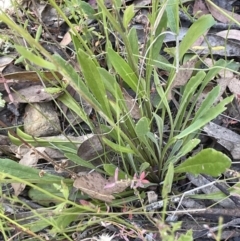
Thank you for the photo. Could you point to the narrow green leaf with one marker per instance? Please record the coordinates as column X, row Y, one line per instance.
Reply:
column 189, row 90
column 79, row 161
column 42, row 198
column 128, row 15
column 72, row 104
column 124, row 70
column 213, row 113
column 35, row 59
column 72, row 76
column 39, row 33
column 176, row 148
column 93, row 81
column 196, row 30
column 162, row 63
column 173, row 15
column 188, row 147
column 207, row 161
column 133, row 39
column 27, row 173
column 208, row 102
column 167, row 184
column 117, row 147
column 109, row 81
column 159, row 123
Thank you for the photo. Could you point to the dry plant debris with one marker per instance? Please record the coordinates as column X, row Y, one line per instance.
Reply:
column 96, row 186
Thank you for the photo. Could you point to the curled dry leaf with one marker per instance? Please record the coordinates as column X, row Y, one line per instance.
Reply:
column 30, row 158
column 33, row 94
column 94, row 184
column 26, row 78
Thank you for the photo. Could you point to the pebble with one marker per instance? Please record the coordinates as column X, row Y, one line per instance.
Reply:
column 41, row 119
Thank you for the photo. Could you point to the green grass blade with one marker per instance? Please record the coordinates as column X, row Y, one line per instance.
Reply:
column 125, row 71
column 93, row 81
column 35, row 59
column 117, row 147
column 207, row 103
column 215, row 111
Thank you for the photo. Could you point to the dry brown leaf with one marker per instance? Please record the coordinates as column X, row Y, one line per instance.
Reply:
column 227, row 138
column 94, row 184
column 30, row 159
column 234, row 87
column 132, row 105
column 203, row 182
column 67, row 37
column 32, row 94
column 183, row 75
column 26, row 78
column 18, row 188
column 4, row 61
column 219, row 16
column 90, row 148
column 229, row 34
column 199, row 8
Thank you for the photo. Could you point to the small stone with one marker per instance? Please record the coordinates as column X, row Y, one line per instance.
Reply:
column 41, row 120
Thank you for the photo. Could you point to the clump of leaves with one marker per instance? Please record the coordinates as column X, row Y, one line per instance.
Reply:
column 133, row 127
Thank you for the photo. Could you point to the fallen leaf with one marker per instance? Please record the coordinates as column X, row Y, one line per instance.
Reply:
column 183, row 75
column 234, row 86
column 225, row 137
column 229, row 34
column 4, row 61
column 67, row 37
column 94, row 184
column 132, row 105
column 199, row 8
column 32, row 94
column 91, row 148
column 217, row 14
column 27, row 78
column 30, row 158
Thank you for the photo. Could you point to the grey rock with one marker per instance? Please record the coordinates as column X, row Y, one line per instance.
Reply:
column 41, row 120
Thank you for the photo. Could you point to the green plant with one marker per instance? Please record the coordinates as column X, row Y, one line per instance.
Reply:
column 134, row 131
